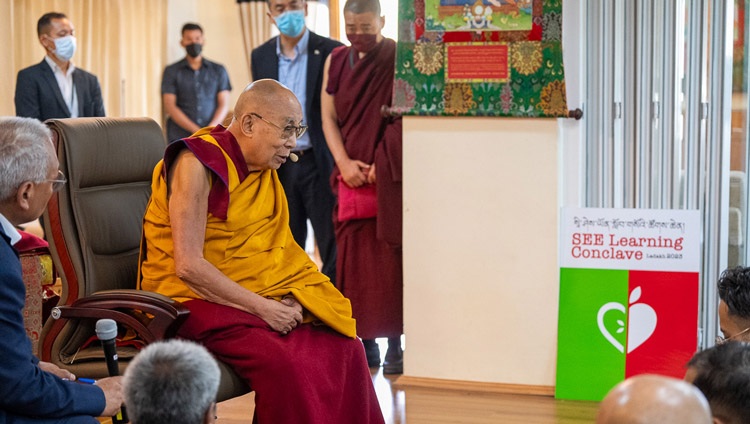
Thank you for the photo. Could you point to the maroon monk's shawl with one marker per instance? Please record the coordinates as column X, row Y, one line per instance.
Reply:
column 368, row 136
column 360, row 88
column 213, row 158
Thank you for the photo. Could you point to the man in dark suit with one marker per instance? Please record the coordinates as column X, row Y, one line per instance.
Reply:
column 55, row 88
column 32, row 391
column 296, row 58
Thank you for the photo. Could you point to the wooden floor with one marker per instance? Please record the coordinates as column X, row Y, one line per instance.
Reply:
column 417, row 405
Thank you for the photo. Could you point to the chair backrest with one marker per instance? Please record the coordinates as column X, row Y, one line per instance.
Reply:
column 94, row 223
column 108, row 163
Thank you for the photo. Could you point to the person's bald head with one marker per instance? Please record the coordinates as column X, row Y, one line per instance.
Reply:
column 647, row 399
column 264, row 94
column 266, row 120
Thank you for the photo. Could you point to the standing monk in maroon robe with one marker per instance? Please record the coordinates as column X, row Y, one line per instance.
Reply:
column 357, row 82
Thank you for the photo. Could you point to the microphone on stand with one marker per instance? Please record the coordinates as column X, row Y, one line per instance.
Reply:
column 106, row 332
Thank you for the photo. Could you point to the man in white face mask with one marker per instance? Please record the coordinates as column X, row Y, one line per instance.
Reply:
column 296, row 58
column 55, row 88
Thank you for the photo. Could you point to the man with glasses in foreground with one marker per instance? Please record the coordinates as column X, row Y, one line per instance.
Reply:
column 32, row 391
column 217, row 238
column 734, row 306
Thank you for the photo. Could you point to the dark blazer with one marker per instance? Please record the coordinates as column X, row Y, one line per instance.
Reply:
column 265, row 64
column 38, row 95
column 25, row 390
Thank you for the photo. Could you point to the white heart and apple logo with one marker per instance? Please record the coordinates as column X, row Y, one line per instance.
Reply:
column 641, row 321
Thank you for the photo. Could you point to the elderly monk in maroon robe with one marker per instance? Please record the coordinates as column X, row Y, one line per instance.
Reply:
column 357, row 82
column 217, row 238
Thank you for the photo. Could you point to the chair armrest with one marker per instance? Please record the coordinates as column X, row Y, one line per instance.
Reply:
column 151, row 315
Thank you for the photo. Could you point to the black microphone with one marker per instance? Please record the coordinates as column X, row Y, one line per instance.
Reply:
column 106, row 332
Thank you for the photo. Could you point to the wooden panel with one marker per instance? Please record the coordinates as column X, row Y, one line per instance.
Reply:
column 474, row 386
column 409, row 400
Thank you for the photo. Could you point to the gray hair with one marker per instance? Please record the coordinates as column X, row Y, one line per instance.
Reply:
column 171, row 381
column 24, row 153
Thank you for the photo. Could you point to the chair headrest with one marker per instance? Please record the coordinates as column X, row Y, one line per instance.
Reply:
column 100, row 145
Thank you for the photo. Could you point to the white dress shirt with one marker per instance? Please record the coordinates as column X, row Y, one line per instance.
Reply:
column 67, row 87
column 9, row 230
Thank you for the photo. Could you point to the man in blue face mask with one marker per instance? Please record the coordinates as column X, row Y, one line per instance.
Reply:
column 296, row 58
column 55, row 88
column 194, row 90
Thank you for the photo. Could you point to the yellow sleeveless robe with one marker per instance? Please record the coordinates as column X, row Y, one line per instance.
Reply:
column 253, row 246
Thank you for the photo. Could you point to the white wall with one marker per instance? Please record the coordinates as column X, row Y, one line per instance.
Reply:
column 480, row 249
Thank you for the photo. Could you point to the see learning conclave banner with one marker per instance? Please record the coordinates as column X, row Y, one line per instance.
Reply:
column 628, row 297
column 480, row 58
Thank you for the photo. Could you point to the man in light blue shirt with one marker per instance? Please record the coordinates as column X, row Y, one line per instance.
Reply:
column 296, row 58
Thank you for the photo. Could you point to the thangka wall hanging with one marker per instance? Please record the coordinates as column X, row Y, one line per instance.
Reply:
column 480, row 58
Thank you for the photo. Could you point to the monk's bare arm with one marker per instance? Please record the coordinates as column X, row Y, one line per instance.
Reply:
column 354, row 172
column 188, row 205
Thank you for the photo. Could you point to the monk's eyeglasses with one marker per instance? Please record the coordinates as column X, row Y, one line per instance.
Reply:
column 59, row 182
column 286, row 132
column 722, row 340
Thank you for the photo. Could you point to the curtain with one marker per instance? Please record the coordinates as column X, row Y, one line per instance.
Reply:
column 116, row 42
column 256, row 27
column 7, row 65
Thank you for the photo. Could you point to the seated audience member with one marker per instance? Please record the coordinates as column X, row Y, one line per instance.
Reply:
column 32, row 391
column 734, row 306
column 172, row 382
column 217, row 238
column 647, row 399
column 722, row 373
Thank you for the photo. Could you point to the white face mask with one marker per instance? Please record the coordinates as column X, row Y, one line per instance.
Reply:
column 65, row 47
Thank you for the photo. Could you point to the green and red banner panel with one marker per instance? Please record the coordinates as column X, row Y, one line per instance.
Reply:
column 628, row 297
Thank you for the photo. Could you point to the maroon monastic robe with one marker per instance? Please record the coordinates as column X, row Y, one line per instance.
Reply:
column 312, row 375
column 369, row 262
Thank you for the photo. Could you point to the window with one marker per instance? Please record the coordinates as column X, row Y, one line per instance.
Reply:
column 657, row 108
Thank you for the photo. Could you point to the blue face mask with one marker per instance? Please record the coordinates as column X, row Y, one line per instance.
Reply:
column 291, row 23
column 65, row 47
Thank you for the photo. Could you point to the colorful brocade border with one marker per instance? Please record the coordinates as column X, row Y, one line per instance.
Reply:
column 521, row 76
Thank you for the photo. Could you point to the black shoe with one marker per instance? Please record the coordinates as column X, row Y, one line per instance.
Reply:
column 393, row 366
column 394, row 357
column 372, row 351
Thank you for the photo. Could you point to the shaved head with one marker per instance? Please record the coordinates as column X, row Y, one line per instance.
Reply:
column 362, row 6
column 263, row 95
column 647, row 399
column 266, row 116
